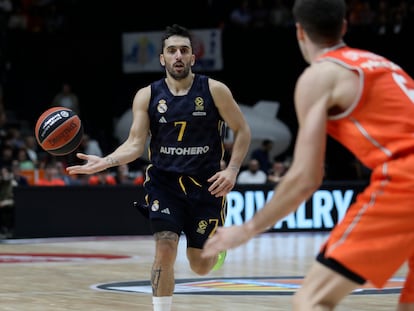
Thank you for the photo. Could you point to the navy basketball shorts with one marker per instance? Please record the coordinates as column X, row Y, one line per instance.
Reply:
column 183, row 204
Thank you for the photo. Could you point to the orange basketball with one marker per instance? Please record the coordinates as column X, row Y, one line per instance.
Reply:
column 59, row 131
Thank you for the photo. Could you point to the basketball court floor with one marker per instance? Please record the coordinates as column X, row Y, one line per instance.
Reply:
column 112, row 274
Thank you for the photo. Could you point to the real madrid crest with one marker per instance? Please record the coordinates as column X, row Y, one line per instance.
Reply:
column 155, row 205
column 162, row 106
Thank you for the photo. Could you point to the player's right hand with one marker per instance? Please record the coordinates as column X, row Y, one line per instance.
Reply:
column 93, row 164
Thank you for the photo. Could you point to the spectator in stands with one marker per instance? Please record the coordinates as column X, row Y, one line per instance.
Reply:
column 91, row 146
column 32, row 148
column 280, row 14
column 241, row 15
column 6, row 202
column 253, row 174
column 68, row 179
column 20, row 179
column 7, row 156
column 102, row 178
column 122, row 175
column 51, row 176
column 262, row 155
column 277, row 172
column 14, row 137
column 67, row 98
column 24, row 161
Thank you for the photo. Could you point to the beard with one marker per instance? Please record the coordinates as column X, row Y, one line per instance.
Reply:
column 178, row 75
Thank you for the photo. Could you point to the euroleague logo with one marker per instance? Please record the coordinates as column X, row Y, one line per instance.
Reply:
column 282, row 286
column 241, row 286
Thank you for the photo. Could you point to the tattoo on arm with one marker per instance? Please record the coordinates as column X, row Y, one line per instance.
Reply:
column 234, row 168
column 111, row 161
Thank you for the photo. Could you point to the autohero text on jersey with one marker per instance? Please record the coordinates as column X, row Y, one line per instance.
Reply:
column 184, row 151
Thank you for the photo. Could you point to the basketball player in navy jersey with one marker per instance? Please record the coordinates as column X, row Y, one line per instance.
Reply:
column 185, row 115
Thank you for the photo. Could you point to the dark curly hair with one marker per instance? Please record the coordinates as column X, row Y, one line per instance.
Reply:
column 175, row 30
column 321, row 19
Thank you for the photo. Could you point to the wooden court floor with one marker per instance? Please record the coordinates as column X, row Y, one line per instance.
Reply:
column 112, row 273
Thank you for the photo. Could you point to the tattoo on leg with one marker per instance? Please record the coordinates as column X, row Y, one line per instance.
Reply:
column 157, row 267
column 155, row 280
column 166, row 235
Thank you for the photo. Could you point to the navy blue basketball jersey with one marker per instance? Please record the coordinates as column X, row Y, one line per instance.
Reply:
column 186, row 131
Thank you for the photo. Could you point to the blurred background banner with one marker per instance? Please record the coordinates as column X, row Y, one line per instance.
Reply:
column 141, row 51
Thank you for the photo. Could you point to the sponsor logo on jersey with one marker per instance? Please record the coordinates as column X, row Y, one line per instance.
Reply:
column 184, row 151
column 199, row 107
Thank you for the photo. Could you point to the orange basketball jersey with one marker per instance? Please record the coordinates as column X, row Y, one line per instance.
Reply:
column 376, row 235
column 379, row 126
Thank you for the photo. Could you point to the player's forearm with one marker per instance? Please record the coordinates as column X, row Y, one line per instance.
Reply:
column 122, row 155
column 240, row 148
column 288, row 196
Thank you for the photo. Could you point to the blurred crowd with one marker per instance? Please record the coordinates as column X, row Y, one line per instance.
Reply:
column 53, row 16
column 21, row 156
column 24, row 164
column 380, row 16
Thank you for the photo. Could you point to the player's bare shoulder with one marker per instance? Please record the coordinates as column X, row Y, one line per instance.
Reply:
column 219, row 91
column 142, row 98
column 329, row 81
column 344, row 83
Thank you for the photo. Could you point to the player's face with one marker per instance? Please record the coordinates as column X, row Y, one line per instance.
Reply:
column 177, row 57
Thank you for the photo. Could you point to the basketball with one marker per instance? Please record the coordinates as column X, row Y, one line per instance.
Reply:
column 59, row 131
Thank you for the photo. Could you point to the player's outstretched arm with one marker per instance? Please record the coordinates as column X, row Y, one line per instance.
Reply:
column 303, row 177
column 131, row 149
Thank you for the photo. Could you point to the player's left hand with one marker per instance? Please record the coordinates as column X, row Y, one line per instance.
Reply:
column 222, row 182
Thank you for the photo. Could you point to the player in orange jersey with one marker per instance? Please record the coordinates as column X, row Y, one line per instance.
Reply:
column 366, row 102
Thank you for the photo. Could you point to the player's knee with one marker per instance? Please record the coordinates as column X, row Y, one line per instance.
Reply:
column 200, row 267
column 165, row 252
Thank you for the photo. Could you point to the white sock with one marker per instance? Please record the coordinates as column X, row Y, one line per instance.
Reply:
column 162, row 303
